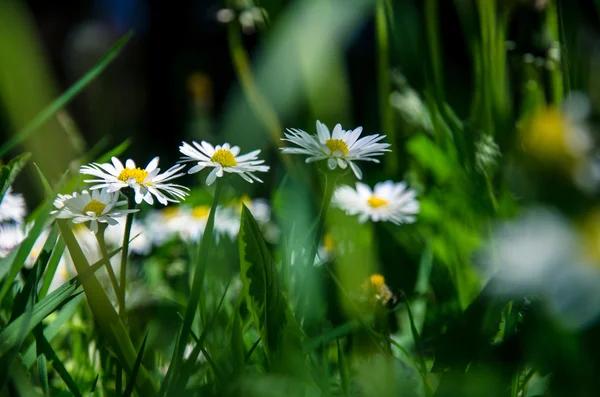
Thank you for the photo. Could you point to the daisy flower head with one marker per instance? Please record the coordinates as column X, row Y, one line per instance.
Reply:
column 222, row 158
column 340, row 148
column 388, row 201
column 145, row 182
column 12, row 207
column 97, row 206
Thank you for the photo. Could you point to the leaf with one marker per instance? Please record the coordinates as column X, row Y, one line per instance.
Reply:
column 9, row 337
column 237, row 345
column 57, row 364
column 280, row 334
column 136, row 367
column 109, row 322
column 51, row 330
column 9, row 172
column 66, row 97
column 22, row 381
column 431, row 156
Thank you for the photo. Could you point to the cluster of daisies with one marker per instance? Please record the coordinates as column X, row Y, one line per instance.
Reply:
column 115, row 187
column 387, row 201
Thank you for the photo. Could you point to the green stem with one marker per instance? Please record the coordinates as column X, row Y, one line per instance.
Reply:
column 490, row 190
column 109, row 269
column 200, row 269
column 125, row 252
column 327, row 195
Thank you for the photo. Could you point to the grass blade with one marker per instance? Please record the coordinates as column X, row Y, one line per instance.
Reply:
column 66, row 97
column 135, row 370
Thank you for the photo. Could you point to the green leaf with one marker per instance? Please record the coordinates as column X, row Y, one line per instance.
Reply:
column 136, row 368
column 237, row 344
column 21, row 380
column 9, row 172
column 10, row 336
column 280, row 334
column 109, row 322
column 51, row 330
column 57, row 364
column 66, row 97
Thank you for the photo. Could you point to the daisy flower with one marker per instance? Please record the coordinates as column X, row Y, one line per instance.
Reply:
column 145, row 182
column 340, row 148
column 97, row 206
column 388, row 201
column 12, row 207
column 223, row 159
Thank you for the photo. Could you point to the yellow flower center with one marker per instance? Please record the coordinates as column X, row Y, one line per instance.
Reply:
column 545, row 136
column 200, row 211
column 94, row 206
column 224, row 157
column 170, row 212
column 136, row 173
column 328, row 243
column 336, row 145
column 377, row 280
column 376, row 202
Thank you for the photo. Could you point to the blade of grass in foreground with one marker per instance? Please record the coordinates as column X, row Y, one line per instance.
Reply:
column 66, row 97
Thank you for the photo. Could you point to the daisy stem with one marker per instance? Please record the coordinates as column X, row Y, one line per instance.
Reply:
column 327, row 195
column 200, row 268
column 125, row 253
column 109, row 269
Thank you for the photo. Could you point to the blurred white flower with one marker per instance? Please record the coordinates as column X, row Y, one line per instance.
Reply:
column 145, row 182
column 223, row 159
column 540, row 254
column 388, row 201
column 193, row 222
column 140, row 245
column 12, row 207
column 11, row 235
column 162, row 225
column 97, row 206
column 340, row 148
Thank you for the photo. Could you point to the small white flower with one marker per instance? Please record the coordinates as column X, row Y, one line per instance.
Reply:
column 145, row 182
column 97, row 206
column 12, row 207
column 388, row 201
column 11, row 236
column 223, row 159
column 340, row 148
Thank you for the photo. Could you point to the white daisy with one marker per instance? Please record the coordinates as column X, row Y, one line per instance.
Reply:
column 12, row 207
column 388, row 201
column 11, row 236
column 222, row 158
column 340, row 148
column 145, row 182
column 97, row 206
